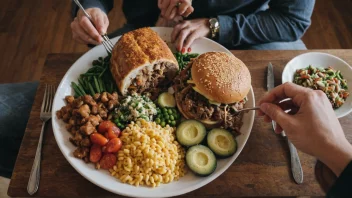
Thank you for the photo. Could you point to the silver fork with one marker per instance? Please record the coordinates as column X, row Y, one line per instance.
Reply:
column 106, row 41
column 246, row 109
column 45, row 115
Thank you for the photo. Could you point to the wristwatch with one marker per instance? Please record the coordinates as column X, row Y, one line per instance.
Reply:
column 214, row 27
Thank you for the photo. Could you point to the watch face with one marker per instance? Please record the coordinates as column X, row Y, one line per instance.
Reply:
column 214, row 22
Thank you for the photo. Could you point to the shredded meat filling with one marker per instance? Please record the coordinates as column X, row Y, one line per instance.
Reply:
column 199, row 107
column 152, row 81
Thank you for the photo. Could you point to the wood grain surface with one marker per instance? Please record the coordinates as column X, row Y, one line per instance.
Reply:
column 262, row 169
column 31, row 29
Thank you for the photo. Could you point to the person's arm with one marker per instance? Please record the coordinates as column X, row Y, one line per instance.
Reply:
column 342, row 186
column 285, row 20
column 104, row 5
column 313, row 128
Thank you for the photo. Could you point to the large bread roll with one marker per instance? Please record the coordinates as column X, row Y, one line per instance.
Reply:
column 142, row 61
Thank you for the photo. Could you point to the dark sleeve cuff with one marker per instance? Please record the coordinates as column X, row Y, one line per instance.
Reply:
column 342, row 186
column 228, row 36
column 104, row 5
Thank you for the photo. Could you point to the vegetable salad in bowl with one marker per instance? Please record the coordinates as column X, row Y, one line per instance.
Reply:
column 330, row 81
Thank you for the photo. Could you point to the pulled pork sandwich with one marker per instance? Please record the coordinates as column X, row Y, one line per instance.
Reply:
column 212, row 88
column 142, row 62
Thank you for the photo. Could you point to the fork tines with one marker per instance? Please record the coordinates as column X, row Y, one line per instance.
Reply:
column 48, row 98
column 107, row 44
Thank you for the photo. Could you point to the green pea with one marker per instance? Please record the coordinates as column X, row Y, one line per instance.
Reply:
column 165, row 114
column 174, row 111
column 169, row 112
column 164, row 110
column 166, row 117
column 122, row 126
column 162, row 124
column 158, row 111
column 173, row 123
column 172, row 117
column 157, row 120
column 169, row 121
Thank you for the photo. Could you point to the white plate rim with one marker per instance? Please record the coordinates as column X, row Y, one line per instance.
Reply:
column 166, row 194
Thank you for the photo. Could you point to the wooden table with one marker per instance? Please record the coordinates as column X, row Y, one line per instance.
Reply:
column 262, row 169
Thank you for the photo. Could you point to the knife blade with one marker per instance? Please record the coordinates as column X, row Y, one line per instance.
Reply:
column 270, row 84
column 270, row 78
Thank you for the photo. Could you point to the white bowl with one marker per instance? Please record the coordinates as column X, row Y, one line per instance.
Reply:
column 324, row 60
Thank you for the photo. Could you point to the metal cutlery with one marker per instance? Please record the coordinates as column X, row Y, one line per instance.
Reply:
column 296, row 167
column 45, row 115
column 247, row 109
column 106, row 41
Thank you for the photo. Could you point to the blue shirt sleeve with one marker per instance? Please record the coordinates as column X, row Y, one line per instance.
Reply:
column 285, row 20
column 104, row 5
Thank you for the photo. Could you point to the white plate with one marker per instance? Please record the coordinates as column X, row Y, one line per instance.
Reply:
column 102, row 178
column 318, row 59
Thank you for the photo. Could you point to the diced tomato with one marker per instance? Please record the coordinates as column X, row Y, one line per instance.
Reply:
column 98, row 138
column 107, row 161
column 95, row 153
column 113, row 145
column 104, row 126
column 183, row 50
column 189, row 49
column 116, row 130
column 304, row 76
column 113, row 132
column 345, row 94
column 103, row 149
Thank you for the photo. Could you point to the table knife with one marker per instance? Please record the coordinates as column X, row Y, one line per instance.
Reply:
column 296, row 167
column 270, row 85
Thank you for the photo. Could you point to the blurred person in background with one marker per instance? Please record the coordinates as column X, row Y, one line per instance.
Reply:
column 236, row 24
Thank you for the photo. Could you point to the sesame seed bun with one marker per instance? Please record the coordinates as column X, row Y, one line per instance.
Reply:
column 221, row 77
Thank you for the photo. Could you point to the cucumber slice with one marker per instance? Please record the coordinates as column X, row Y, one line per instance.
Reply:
column 222, row 142
column 190, row 132
column 166, row 100
column 201, row 160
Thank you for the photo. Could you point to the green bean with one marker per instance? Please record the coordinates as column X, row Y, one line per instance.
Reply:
column 81, row 89
column 96, row 85
column 100, row 82
column 89, row 74
column 103, row 84
column 102, row 72
column 91, row 89
column 76, row 89
column 80, row 81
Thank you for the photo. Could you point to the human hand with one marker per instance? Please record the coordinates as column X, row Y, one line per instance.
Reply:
column 313, row 129
column 187, row 31
column 84, row 32
column 162, row 22
column 171, row 8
